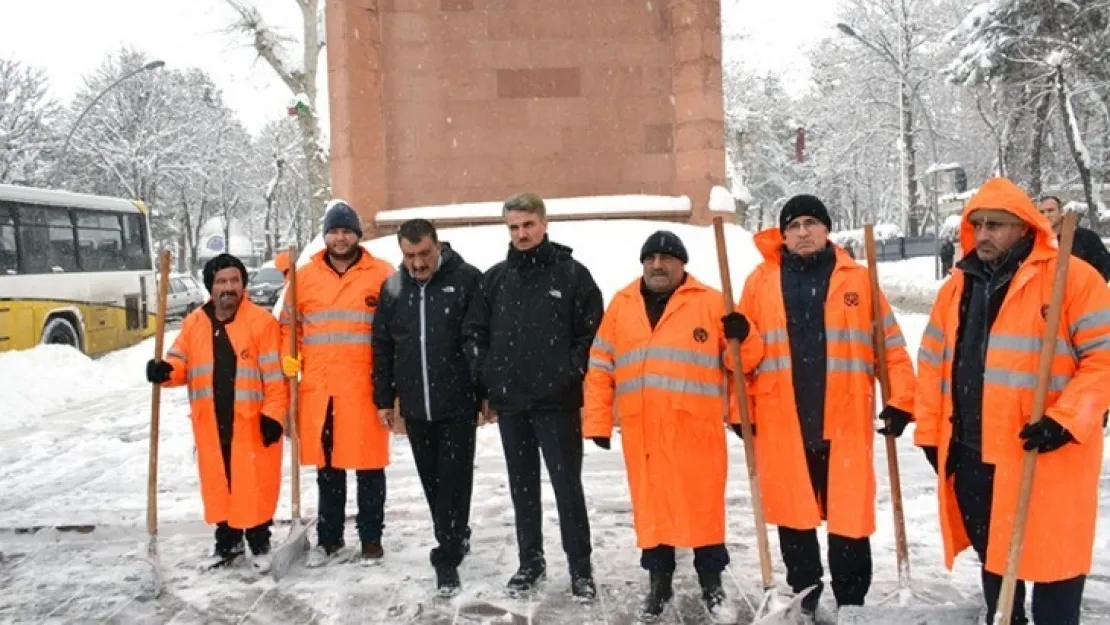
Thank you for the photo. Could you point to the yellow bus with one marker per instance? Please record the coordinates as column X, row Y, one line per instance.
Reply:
column 75, row 270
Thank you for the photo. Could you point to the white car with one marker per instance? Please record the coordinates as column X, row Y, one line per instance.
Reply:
column 184, row 296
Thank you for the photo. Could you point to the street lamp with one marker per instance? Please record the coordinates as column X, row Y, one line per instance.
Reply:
column 898, row 62
column 153, row 65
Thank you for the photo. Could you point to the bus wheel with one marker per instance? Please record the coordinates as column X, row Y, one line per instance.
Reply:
column 59, row 331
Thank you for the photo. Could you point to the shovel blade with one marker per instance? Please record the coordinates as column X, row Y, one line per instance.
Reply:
column 948, row 614
column 775, row 611
column 293, row 549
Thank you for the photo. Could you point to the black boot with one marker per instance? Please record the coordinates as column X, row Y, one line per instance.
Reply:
column 659, row 594
column 447, row 581
column 582, row 584
column 715, row 599
column 526, row 578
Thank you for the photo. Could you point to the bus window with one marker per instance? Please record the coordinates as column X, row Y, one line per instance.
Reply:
column 135, row 250
column 46, row 240
column 101, row 241
column 9, row 262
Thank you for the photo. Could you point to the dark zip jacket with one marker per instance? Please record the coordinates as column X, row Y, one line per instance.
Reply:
column 418, row 343
column 528, row 334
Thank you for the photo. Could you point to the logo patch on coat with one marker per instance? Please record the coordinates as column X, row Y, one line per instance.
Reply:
column 371, row 300
column 244, row 355
column 851, row 298
column 1044, row 312
column 700, row 335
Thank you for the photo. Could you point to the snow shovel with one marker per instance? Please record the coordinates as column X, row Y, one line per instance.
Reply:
column 772, row 609
column 909, row 609
column 296, row 545
column 155, row 410
column 1040, row 398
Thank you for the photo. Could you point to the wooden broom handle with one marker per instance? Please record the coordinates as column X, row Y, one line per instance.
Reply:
column 156, row 396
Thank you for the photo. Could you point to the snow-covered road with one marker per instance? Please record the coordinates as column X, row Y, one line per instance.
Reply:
column 73, row 445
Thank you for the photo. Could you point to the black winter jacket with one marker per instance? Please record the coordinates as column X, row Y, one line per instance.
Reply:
column 418, row 342
column 528, row 335
column 1087, row 246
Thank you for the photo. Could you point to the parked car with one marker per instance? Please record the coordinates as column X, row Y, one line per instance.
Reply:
column 265, row 286
column 184, row 296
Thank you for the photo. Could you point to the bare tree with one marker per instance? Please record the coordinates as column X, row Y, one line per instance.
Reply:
column 300, row 76
column 26, row 114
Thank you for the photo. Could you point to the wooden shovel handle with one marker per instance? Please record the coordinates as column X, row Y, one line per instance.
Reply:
column 745, row 418
column 1040, row 398
column 294, row 387
column 156, row 396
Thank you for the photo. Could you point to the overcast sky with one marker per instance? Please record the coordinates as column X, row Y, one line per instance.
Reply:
column 70, row 38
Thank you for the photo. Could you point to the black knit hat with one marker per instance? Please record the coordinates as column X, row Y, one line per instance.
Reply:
column 664, row 242
column 804, row 206
column 219, row 263
column 341, row 215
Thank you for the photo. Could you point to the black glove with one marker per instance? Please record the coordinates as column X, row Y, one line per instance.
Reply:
column 158, row 371
column 601, row 442
column 896, row 421
column 1045, row 435
column 736, row 326
column 931, row 455
column 271, row 431
column 736, row 427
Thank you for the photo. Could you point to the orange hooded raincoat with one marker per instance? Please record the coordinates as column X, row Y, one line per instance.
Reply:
column 1060, row 534
column 668, row 386
column 788, row 497
column 260, row 389
column 336, row 313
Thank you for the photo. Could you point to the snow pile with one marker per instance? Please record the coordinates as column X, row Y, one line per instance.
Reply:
column 587, row 205
column 883, row 232
column 721, row 200
column 609, row 249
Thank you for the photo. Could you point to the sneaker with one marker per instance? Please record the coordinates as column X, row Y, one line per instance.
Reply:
column 372, row 552
column 321, row 555
column 447, row 581
column 582, row 587
column 262, row 562
column 526, row 578
column 720, row 609
column 659, row 595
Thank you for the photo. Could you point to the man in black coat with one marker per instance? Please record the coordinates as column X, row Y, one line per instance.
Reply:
column 1086, row 246
column 528, row 339
column 418, row 360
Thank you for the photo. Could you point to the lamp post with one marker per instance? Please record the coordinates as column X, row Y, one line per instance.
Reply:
column 898, row 61
column 153, row 65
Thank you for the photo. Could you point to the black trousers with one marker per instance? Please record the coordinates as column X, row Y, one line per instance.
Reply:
column 229, row 541
column 708, row 560
column 331, row 484
column 444, row 455
column 1054, row 603
column 849, row 558
column 559, row 436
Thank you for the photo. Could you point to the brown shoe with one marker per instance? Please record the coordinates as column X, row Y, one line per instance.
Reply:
column 372, row 551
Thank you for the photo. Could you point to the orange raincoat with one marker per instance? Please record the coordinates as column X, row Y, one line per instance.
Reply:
column 260, row 389
column 788, row 497
column 1060, row 533
column 336, row 313
column 668, row 387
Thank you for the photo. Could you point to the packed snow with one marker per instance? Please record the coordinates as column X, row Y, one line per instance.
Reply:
column 72, row 498
column 586, row 205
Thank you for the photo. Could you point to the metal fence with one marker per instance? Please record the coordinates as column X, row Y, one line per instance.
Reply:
column 905, row 247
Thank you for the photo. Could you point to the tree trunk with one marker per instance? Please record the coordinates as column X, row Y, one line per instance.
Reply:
column 1075, row 144
column 1007, row 144
column 1040, row 123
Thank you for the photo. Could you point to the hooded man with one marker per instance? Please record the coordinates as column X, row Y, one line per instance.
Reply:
column 419, row 360
column 337, row 295
column 227, row 353
column 660, row 361
column 813, row 396
column 528, row 338
column 983, row 340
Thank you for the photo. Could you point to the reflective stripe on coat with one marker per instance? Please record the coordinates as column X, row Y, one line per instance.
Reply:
column 1060, row 534
column 849, row 426
column 668, row 388
column 336, row 314
column 260, row 389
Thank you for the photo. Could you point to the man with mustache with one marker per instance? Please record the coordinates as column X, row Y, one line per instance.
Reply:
column 227, row 353
column 660, row 362
column 419, row 360
column 337, row 296
column 1086, row 245
column 813, row 396
column 528, row 338
column 977, row 370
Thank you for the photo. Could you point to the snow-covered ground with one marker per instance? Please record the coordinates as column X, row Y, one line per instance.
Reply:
column 73, row 454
